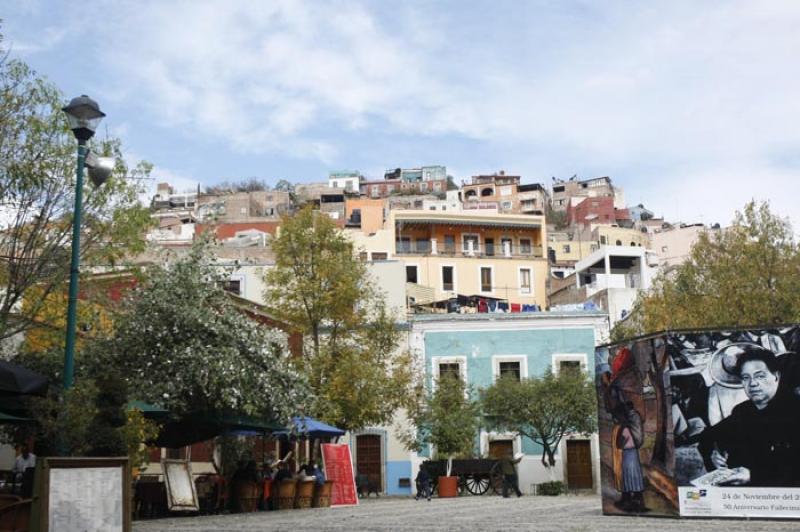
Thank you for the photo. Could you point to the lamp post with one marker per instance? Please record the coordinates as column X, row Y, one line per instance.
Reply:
column 84, row 116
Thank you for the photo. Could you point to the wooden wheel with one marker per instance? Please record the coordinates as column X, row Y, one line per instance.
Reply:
column 496, row 478
column 477, row 483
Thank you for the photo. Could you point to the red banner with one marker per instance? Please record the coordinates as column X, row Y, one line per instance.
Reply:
column 339, row 469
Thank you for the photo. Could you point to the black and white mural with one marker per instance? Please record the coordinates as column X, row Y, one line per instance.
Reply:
column 734, row 411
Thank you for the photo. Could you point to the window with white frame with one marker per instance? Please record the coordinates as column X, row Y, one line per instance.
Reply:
column 448, row 278
column 449, row 369
column 234, row 285
column 510, row 370
column 412, row 273
column 450, row 366
column 525, row 281
column 568, row 362
column 507, row 245
column 486, row 278
column 472, row 242
column 510, row 366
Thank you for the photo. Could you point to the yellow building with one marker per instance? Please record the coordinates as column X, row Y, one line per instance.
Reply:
column 483, row 254
column 570, row 246
column 612, row 235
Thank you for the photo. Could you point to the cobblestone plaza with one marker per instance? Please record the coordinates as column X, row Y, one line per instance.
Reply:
column 566, row 513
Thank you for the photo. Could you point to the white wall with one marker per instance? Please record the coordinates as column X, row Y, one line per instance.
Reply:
column 8, row 456
column 390, row 278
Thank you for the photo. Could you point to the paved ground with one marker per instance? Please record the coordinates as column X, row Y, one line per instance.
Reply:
column 565, row 513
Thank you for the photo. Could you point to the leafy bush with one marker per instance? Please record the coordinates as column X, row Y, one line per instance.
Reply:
column 556, row 487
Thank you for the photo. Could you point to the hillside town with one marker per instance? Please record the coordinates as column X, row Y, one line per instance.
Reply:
column 568, row 246
column 479, row 275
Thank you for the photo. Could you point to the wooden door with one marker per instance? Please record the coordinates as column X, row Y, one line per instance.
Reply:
column 368, row 458
column 501, row 448
column 579, row 464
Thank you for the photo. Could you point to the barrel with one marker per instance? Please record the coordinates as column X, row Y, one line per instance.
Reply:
column 286, row 493
column 247, row 495
column 305, row 494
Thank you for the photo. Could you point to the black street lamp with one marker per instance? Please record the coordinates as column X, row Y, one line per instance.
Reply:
column 84, row 116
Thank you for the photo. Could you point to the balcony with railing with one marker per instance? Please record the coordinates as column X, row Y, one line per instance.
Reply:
column 503, row 250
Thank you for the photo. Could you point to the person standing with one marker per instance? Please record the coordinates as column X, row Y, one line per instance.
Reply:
column 629, row 438
column 423, row 484
column 508, row 466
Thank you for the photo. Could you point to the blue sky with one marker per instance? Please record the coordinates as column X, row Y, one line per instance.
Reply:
column 692, row 107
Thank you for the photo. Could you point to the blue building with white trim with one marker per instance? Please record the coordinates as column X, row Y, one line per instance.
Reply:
column 479, row 348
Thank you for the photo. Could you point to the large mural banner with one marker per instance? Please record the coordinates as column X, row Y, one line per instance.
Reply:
column 701, row 423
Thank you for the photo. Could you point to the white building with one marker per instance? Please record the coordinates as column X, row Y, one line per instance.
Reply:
column 674, row 243
column 345, row 180
column 613, row 276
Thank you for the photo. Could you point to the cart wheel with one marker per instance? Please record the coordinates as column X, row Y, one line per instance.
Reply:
column 496, row 479
column 477, row 483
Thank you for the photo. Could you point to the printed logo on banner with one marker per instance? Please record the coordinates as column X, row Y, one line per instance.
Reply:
column 695, row 495
column 695, row 502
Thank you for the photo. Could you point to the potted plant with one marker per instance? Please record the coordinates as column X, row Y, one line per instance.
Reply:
column 447, row 420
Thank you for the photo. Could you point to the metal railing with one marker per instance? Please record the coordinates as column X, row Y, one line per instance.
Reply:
column 425, row 248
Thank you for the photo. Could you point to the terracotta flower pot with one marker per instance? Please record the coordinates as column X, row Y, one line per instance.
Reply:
column 448, row 486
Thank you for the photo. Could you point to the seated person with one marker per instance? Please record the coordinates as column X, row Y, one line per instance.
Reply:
column 283, row 473
column 304, row 473
column 25, row 460
column 759, row 443
column 317, row 473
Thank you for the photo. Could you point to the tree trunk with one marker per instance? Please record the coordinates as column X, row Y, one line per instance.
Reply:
column 315, row 338
column 549, row 460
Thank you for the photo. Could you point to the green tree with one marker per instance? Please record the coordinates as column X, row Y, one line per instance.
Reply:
column 179, row 342
column 544, row 409
column 447, row 418
column 557, row 218
column 90, row 419
column 745, row 274
column 37, row 182
column 351, row 358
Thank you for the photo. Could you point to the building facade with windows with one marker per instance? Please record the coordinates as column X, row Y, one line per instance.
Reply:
column 610, row 278
column 347, row 180
column 480, row 349
column 505, row 194
column 565, row 190
column 498, row 256
column 482, row 254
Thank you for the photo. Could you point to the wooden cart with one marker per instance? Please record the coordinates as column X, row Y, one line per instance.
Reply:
column 475, row 475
